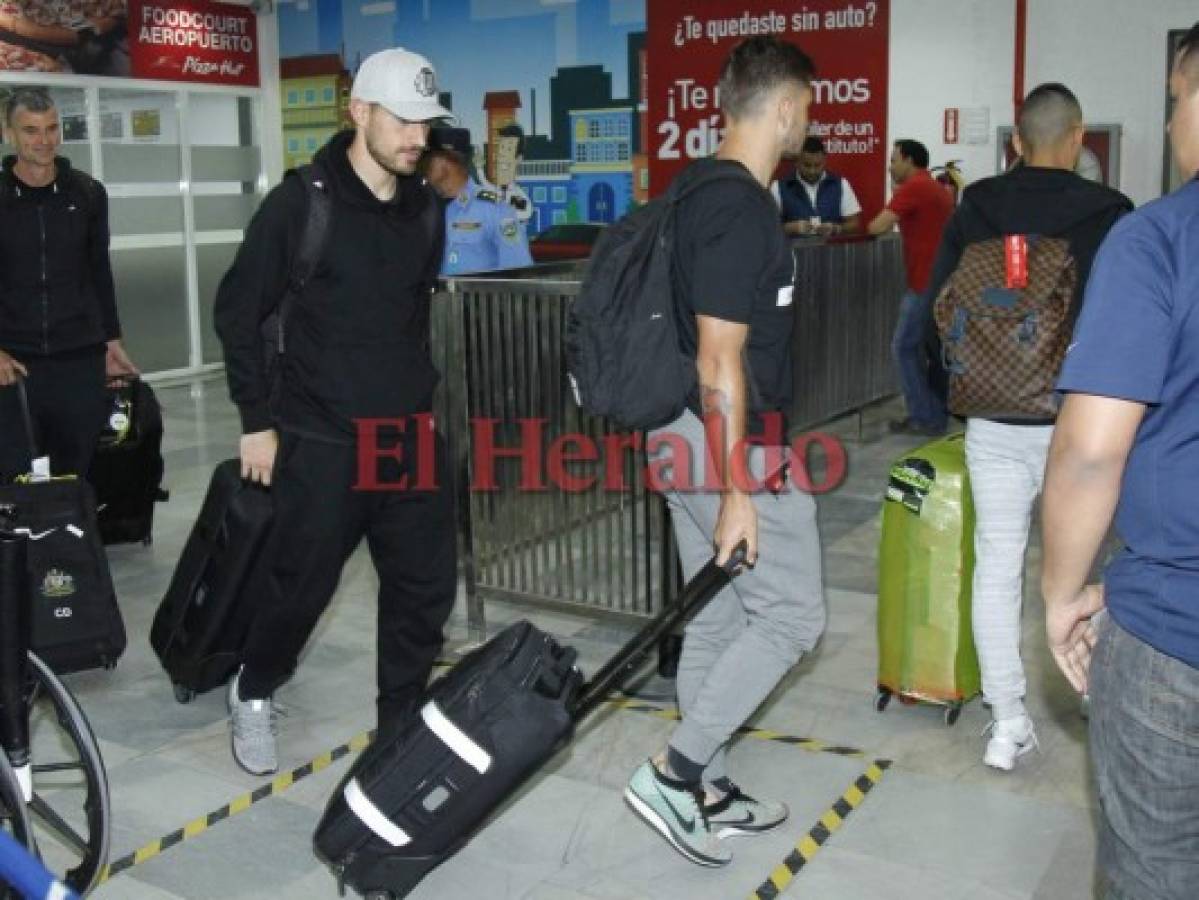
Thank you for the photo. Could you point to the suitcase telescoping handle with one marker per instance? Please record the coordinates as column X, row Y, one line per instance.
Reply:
column 706, row 584
column 27, row 418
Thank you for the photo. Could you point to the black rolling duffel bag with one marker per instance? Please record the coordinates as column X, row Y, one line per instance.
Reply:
column 127, row 468
column 202, row 622
column 77, row 623
column 411, row 803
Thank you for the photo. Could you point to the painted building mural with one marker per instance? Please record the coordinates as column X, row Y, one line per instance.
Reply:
column 553, row 92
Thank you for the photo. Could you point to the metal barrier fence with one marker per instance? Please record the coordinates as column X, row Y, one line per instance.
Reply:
column 607, row 551
column 498, row 341
column 847, row 298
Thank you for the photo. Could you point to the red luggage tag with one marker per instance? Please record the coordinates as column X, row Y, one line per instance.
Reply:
column 1015, row 256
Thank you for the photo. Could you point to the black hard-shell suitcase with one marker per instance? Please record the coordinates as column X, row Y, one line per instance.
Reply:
column 411, row 803
column 76, row 622
column 201, row 625
column 127, row 468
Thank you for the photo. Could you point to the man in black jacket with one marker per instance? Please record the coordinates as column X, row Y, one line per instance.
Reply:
column 357, row 350
column 59, row 328
column 1044, row 197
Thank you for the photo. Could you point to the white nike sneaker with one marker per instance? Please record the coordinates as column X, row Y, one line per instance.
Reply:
column 1010, row 739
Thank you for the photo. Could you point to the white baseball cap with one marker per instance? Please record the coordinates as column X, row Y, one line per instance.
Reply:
column 403, row 83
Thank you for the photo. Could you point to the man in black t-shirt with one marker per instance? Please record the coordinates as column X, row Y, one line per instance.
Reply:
column 734, row 273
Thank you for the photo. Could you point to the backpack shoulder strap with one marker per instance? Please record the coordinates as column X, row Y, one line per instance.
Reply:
column 678, row 191
column 312, row 239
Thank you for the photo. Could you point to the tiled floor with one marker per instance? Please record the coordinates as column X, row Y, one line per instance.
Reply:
column 938, row 825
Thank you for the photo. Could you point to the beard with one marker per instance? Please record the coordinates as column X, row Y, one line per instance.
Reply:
column 394, row 162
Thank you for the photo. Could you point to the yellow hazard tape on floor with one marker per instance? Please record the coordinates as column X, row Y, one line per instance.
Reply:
column 285, row 780
column 761, row 734
column 196, row 827
column 827, row 825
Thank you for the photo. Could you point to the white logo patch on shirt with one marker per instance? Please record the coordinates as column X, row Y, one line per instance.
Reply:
column 786, row 294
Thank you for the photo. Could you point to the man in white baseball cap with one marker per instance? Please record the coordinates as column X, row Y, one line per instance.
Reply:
column 357, row 338
column 403, row 83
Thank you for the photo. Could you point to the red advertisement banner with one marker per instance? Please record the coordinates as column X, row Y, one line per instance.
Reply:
column 193, row 40
column 848, row 41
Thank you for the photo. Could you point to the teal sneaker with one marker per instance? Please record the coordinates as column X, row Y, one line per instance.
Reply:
column 737, row 813
column 676, row 810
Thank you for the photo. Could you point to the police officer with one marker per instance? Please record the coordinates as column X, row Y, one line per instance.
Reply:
column 510, row 143
column 482, row 232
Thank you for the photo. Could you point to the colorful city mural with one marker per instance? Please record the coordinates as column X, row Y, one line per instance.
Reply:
column 553, row 92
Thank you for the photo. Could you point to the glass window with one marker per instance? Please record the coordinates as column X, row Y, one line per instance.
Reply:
column 293, row 97
column 293, row 145
column 593, row 128
column 559, row 216
column 622, row 151
column 580, row 153
column 311, row 143
column 539, row 195
column 143, row 172
column 328, row 95
column 226, row 165
column 559, row 195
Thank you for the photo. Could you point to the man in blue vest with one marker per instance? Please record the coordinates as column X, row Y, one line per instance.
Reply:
column 815, row 200
column 482, row 232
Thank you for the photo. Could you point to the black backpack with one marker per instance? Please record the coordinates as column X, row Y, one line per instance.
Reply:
column 622, row 334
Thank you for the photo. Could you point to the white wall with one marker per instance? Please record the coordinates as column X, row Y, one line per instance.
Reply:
column 1112, row 53
column 951, row 55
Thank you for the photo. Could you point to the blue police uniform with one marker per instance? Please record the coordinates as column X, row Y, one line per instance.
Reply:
column 482, row 232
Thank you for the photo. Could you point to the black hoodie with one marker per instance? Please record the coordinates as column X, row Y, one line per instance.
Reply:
column 56, row 287
column 1032, row 201
column 357, row 340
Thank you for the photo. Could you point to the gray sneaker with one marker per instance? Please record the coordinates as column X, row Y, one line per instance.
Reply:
column 676, row 810
column 255, row 730
column 737, row 813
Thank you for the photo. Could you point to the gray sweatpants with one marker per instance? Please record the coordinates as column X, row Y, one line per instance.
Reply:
column 750, row 635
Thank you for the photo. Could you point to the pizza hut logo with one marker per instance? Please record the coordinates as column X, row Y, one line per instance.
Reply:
column 426, row 82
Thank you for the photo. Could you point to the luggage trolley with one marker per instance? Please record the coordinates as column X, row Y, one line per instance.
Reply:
column 53, row 788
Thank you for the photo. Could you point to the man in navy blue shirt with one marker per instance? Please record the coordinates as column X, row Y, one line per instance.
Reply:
column 815, row 200
column 1127, row 442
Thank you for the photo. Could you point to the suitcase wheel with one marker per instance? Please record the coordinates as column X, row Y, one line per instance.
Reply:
column 952, row 711
column 881, row 699
column 183, row 693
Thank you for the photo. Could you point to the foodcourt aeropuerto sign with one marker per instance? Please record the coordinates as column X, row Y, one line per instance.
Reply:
column 193, row 40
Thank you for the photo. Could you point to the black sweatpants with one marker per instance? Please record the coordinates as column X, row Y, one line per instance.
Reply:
column 319, row 520
column 67, row 401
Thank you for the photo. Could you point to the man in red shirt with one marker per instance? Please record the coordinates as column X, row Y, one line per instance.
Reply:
column 920, row 207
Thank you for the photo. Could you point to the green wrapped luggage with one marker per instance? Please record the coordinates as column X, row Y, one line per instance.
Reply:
column 926, row 566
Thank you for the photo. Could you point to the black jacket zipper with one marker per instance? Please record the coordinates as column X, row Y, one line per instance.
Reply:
column 41, row 221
